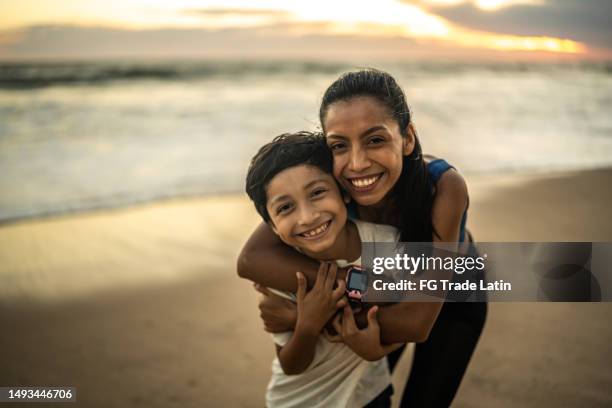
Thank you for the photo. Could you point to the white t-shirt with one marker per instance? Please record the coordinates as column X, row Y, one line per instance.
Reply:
column 337, row 377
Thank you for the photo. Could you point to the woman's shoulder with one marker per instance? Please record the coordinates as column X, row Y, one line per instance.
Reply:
column 444, row 175
column 449, row 206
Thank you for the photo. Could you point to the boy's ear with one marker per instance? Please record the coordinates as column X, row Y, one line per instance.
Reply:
column 409, row 141
column 272, row 227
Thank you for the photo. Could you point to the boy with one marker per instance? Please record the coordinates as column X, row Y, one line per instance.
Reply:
column 291, row 184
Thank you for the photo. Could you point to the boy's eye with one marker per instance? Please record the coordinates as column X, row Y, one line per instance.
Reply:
column 283, row 208
column 318, row 192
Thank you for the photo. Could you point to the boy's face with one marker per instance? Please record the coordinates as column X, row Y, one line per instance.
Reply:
column 306, row 208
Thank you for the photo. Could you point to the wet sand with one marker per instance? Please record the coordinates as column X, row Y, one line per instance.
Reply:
column 142, row 306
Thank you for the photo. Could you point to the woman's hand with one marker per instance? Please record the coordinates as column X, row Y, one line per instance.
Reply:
column 365, row 342
column 318, row 305
column 278, row 314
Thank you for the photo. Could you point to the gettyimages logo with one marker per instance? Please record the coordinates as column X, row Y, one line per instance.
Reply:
column 490, row 271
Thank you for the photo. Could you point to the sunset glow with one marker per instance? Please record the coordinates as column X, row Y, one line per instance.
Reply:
column 390, row 18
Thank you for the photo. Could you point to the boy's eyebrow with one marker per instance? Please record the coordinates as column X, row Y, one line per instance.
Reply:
column 322, row 179
column 307, row 186
column 279, row 198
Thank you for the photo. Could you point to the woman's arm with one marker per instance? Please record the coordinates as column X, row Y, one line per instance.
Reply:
column 405, row 322
column 413, row 321
column 449, row 205
column 266, row 260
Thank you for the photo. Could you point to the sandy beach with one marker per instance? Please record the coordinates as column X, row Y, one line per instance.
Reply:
column 142, row 306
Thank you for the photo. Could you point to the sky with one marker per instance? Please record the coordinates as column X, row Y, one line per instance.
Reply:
column 390, row 29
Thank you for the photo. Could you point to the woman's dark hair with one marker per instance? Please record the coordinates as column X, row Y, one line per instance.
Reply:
column 412, row 194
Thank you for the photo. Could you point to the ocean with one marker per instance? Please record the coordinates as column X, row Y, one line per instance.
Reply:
column 82, row 136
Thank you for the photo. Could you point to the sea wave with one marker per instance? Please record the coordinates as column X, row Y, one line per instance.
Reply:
column 37, row 75
column 24, row 75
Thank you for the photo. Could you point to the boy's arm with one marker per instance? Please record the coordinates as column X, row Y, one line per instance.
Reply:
column 266, row 260
column 297, row 354
column 314, row 309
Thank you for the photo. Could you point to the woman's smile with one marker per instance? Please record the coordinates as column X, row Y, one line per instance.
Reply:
column 365, row 184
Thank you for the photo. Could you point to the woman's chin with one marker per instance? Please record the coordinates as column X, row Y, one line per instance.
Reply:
column 366, row 200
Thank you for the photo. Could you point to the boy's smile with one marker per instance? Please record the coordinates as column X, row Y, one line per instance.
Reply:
column 317, row 232
column 307, row 210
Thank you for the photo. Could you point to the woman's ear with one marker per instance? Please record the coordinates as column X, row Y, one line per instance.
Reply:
column 409, row 141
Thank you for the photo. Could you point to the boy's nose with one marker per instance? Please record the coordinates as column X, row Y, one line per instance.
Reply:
column 308, row 215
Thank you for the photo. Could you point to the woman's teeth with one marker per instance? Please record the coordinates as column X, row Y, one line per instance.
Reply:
column 316, row 231
column 364, row 181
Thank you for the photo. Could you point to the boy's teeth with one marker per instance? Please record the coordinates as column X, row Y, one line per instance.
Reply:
column 316, row 231
column 364, row 182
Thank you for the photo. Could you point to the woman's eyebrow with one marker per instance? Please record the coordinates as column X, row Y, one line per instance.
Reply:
column 363, row 134
column 373, row 129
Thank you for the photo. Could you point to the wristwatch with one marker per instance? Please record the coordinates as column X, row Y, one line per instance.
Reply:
column 356, row 285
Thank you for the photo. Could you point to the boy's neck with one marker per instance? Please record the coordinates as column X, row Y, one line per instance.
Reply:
column 347, row 246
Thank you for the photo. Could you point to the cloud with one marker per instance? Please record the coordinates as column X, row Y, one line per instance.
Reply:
column 286, row 41
column 283, row 40
column 223, row 12
column 584, row 21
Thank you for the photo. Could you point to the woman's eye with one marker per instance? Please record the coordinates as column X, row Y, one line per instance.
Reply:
column 376, row 140
column 337, row 146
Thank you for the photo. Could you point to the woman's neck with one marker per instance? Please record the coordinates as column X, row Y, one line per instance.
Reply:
column 385, row 212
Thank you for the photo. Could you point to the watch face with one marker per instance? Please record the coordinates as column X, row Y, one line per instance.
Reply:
column 358, row 281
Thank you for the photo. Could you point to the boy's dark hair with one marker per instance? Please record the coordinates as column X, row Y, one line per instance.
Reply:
column 285, row 151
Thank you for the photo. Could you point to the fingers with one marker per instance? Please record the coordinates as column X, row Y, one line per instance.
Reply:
column 262, row 289
column 349, row 326
column 372, row 317
column 341, row 303
column 331, row 276
column 339, row 292
column 321, row 275
column 337, row 323
column 301, row 290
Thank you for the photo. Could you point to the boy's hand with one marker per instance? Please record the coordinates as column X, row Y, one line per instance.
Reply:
column 316, row 307
column 278, row 314
column 365, row 342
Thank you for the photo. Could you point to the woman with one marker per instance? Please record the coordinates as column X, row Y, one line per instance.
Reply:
column 378, row 161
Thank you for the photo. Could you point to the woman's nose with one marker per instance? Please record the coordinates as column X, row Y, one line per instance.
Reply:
column 359, row 161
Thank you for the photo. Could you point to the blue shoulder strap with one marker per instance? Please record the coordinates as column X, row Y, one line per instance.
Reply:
column 436, row 168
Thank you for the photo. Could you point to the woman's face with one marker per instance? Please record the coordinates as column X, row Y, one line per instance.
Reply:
column 368, row 148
